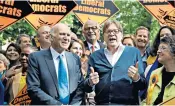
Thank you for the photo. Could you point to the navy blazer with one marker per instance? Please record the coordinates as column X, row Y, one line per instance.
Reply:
column 115, row 86
column 42, row 80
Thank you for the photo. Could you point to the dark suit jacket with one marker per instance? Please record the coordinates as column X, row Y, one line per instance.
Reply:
column 100, row 43
column 42, row 80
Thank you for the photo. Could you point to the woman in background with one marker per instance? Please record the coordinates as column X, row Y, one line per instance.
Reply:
column 128, row 41
column 152, row 62
column 12, row 53
column 3, row 67
column 77, row 47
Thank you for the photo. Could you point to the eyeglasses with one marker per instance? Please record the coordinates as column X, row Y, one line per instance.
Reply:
column 24, row 54
column 94, row 28
column 162, row 48
column 116, row 31
column 165, row 34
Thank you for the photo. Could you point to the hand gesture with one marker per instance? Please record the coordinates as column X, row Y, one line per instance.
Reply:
column 133, row 72
column 94, row 77
column 12, row 71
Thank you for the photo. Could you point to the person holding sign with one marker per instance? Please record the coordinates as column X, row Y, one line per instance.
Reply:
column 162, row 81
column 54, row 75
column 119, row 69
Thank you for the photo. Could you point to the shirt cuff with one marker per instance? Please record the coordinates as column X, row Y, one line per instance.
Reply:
column 138, row 79
column 93, row 86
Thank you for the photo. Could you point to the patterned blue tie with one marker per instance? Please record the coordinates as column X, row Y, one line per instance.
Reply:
column 63, row 82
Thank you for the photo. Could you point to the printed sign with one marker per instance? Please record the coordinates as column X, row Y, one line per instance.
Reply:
column 49, row 12
column 22, row 98
column 170, row 19
column 97, row 10
column 12, row 10
column 162, row 10
column 172, row 2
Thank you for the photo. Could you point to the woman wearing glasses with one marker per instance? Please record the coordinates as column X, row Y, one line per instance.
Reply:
column 162, row 81
column 152, row 61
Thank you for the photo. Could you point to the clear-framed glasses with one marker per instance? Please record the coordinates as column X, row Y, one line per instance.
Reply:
column 165, row 34
column 115, row 31
column 162, row 48
column 94, row 28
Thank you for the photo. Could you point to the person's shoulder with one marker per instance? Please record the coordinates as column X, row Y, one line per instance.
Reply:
column 132, row 49
column 102, row 45
column 158, row 70
column 41, row 52
column 72, row 54
column 97, row 53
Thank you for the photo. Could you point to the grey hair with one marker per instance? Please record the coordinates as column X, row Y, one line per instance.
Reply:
column 18, row 40
column 5, row 60
column 170, row 41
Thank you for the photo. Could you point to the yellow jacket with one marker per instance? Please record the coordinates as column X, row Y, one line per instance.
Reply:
column 154, row 88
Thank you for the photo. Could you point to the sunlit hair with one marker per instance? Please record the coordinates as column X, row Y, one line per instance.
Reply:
column 142, row 28
column 170, row 41
column 78, row 41
column 108, row 23
column 5, row 60
column 18, row 41
column 129, row 37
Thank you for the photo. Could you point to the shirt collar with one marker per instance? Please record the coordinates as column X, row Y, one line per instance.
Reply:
column 41, row 48
column 145, row 56
column 96, row 45
column 55, row 54
column 120, row 48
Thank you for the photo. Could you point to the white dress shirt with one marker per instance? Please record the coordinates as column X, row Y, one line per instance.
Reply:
column 97, row 46
column 113, row 58
column 55, row 55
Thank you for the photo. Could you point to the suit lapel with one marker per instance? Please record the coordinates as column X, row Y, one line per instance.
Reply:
column 86, row 45
column 50, row 64
column 70, row 66
column 101, row 44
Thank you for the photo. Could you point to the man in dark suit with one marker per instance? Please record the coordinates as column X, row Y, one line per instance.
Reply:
column 91, row 31
column 54, row 76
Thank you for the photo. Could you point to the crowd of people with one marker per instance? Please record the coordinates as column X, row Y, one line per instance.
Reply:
column 64, row 70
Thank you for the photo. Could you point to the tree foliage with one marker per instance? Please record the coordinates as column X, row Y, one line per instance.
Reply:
column 20, row 27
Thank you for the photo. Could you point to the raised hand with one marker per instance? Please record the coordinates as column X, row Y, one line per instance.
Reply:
column 133, row 72
column 94, row 77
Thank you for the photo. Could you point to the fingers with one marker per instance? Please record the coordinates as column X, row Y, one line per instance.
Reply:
column 133, row 72
column 137, row 64
column 133, row 69
column 94, row 77
column 92, row 69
